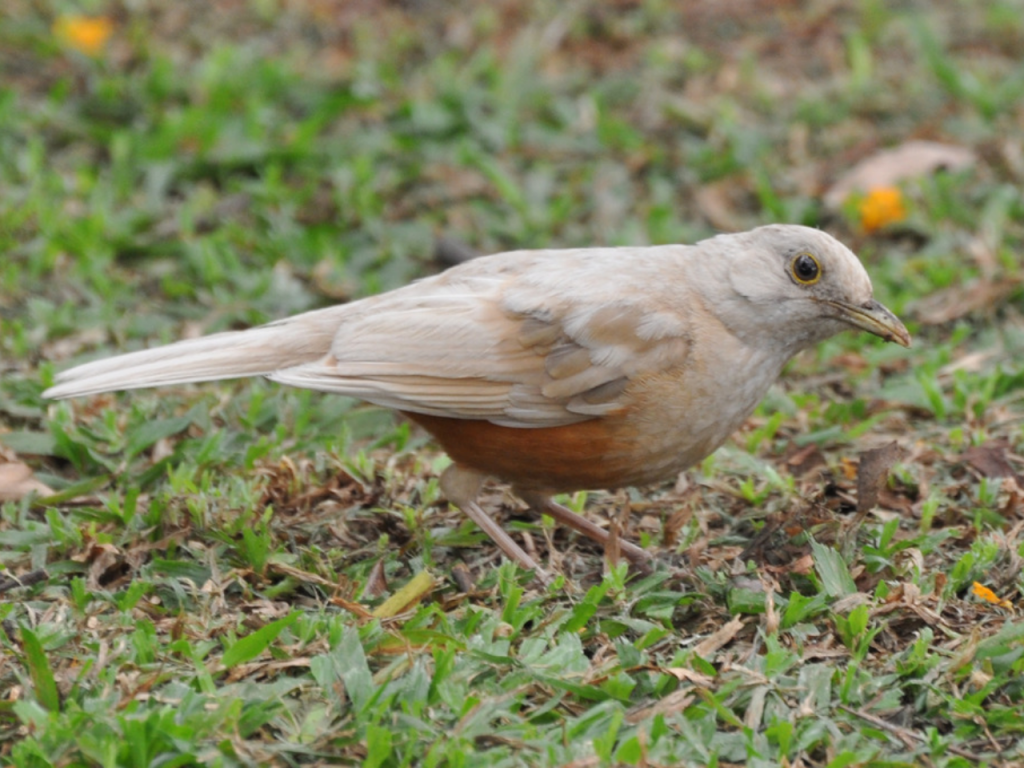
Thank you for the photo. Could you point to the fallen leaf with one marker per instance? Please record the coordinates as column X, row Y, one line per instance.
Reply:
column 675, row 702
column 377, row 582
column 957, row 301
column 802, row 565
column 721, row 637
column 872, row 473
column 106, row 564
column 682, row 674
column 463, row 578
column 972, row 362
column 17, row 481
column 889, row 167
column 992, row 460
column 352, row 607
column 804, row 460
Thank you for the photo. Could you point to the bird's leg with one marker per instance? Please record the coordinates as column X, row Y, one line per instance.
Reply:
column 638, row 556
column 461, row 486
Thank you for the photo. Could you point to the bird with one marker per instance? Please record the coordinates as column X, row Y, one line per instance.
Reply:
column 554, row 370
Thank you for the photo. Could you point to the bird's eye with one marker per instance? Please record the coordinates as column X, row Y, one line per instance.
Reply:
column 805, row 269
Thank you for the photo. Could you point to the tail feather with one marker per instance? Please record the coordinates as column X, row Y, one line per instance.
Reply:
column 230, row 355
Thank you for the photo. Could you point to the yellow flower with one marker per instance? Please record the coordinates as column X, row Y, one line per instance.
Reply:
column 83, row 33
column 881, row 206
column 986, row 594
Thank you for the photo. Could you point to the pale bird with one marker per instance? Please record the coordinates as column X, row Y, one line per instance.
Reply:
column 555, row 370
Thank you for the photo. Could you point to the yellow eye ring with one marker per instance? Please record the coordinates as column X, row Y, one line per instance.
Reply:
column 805, row 269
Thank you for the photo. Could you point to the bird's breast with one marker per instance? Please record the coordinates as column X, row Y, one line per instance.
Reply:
column 673, row 419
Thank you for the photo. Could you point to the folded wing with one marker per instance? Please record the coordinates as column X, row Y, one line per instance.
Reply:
column 510, row 339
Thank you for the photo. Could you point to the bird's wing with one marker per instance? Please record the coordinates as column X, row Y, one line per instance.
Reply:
column 524, row 340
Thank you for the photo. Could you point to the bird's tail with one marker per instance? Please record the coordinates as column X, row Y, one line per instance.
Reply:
column 230, row 355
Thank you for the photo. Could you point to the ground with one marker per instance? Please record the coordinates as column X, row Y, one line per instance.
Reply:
column 243, row 574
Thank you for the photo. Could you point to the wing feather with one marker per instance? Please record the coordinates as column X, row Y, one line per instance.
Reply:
column 516, row 343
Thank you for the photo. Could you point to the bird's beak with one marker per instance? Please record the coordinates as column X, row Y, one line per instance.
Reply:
column 874, row 318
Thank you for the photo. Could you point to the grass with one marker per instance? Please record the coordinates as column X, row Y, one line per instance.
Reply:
column 208, row 583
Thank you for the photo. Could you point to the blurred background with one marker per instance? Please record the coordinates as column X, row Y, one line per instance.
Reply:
column 175, row 168
column 262, row 157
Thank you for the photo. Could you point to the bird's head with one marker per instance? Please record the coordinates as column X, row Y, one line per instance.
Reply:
column 796, row 285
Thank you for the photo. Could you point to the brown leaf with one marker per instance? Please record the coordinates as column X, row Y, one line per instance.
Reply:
column 352, row 607
column 957, row 301
column 675, row 702
column 888, row 167
column 682, row 674
column 17, row 482
column 991, row 460
column 377, row 583
column 723, row 636
column 873, row 472
column 804, row 460
column 463, row 578
column 678, row 520
column 801, row 565
column 106, row 565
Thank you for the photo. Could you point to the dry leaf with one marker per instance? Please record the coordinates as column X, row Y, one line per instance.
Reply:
column 675, row 702
column 105, row 565
column 804, row 460
column 802, row 565
column 721, row 637
column 992, row 460
column 959, row 300
column 972, row 362
column 377, row 582
column 887, row 168
column 352, row 607
column 682, row 674
column 872, row 474
column 17, row 482
column 463, row 578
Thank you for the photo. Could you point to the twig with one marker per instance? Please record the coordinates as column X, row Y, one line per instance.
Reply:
column 905, row 733
column 27, row 580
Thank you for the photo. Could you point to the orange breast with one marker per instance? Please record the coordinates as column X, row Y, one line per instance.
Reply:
column 599, row 453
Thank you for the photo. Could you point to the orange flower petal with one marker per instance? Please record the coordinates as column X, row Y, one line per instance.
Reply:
column 882, row 206
column 986, row 594
column 980, row 590
column 86, row 34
